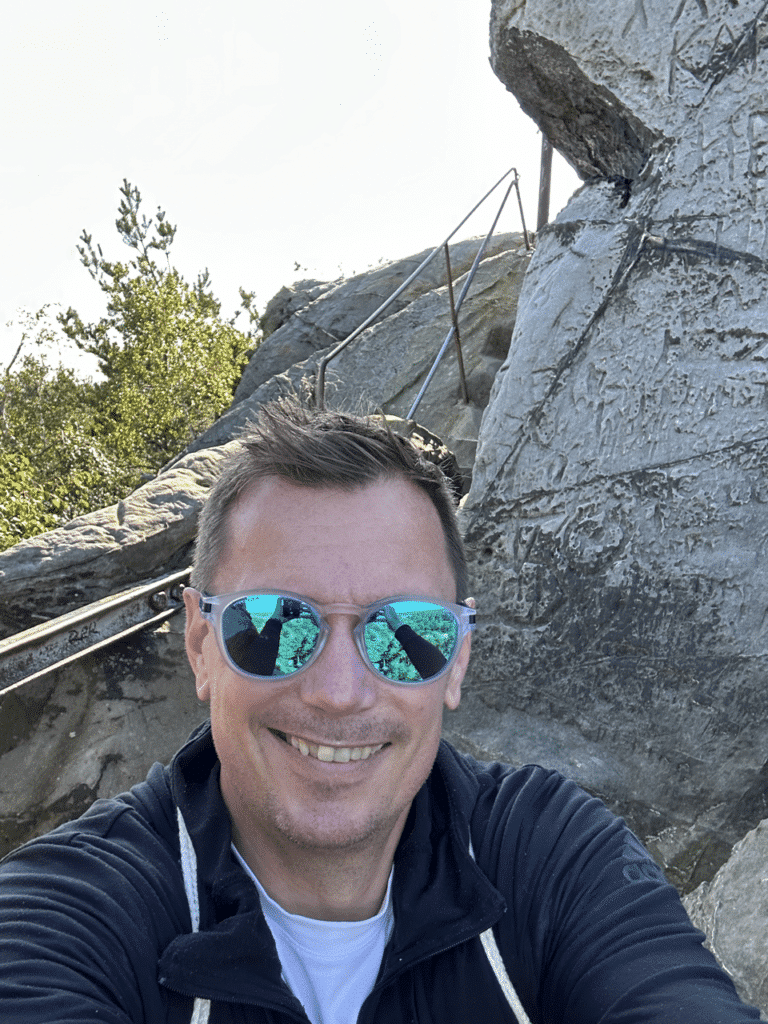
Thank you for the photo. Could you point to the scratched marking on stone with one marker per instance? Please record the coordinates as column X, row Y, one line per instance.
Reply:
column 758, row 144
column 677, row 60
column 639, row 12
column 702, row 8
column 709, row 61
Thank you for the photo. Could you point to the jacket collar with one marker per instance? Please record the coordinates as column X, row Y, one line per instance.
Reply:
column 440, row 896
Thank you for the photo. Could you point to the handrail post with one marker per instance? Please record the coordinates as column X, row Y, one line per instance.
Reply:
column 454, row 317
column 462, row 296
column 522, row 215
column 545, row 180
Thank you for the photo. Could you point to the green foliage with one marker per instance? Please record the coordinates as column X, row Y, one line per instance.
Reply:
column 169, row 365
column 50, row 467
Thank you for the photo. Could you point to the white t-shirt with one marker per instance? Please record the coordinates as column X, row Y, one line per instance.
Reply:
column 330, row 966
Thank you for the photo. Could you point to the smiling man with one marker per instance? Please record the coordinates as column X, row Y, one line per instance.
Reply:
column 315, row 852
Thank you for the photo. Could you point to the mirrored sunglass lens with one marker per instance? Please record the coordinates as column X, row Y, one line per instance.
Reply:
column 409, row 641
column 269, row 635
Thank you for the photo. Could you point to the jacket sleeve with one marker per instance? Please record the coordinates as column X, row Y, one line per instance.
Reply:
column 424, row 656
column 593, row 932
column 83, row 917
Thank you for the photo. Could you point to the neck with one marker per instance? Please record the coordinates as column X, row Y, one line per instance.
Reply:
column 345, row 884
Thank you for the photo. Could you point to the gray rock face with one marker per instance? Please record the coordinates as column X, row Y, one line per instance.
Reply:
column 733, row 910
column 288, row 301
column 310, row 318
column 618, row 514
column 97, row 554
column 92, row 730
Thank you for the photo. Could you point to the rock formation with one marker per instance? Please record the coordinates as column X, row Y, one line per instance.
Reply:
column 92, row 730
column 150, row 532
column 618, row 515
column 733, row 910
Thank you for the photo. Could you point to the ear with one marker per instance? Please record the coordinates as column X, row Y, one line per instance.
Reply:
column 197, row 629
column 459, row 669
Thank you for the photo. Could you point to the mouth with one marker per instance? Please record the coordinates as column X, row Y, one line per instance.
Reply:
column 326, row 752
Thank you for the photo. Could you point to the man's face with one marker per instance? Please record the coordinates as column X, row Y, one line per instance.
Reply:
column 331, row 546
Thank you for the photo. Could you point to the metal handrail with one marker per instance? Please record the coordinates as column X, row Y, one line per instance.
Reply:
column 50, row 645
column 323, row 362
column 464, row 290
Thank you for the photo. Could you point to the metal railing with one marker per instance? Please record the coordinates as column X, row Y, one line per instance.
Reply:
column 330, row 356
column 453, row 332
column 51, row 645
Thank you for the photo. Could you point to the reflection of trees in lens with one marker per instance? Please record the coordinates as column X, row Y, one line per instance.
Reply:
column 297, row 642
column 397, row 665
column 387, row 654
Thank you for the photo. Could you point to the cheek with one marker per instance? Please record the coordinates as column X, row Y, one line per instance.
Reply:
column 424, row 715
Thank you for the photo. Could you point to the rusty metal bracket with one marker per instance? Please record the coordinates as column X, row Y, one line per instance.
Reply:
column 454, row 317
column 54, row 644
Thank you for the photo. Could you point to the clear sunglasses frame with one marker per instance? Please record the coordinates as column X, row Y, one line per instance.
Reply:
column 213, row 607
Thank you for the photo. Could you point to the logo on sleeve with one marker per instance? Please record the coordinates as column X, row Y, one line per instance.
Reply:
column 638, row 864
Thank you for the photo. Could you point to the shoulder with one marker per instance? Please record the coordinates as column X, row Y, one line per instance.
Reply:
column 493, row 790
column 126, row 843
column 87, row 909
column 537, row 820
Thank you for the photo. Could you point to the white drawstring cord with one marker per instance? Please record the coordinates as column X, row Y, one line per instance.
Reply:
column 202, row 1008
column 494, row 957
column 491, row 948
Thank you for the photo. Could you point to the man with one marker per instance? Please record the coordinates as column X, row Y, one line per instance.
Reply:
column 316, row 852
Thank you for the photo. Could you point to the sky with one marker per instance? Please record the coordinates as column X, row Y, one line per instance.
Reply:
column 285, row 141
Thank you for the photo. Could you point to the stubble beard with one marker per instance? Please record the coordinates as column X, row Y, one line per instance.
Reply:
column 332, row 830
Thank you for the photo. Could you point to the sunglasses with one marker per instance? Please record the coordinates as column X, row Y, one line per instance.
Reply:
column 404, row 640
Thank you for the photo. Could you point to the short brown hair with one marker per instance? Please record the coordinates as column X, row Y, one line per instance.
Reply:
column 317, row 449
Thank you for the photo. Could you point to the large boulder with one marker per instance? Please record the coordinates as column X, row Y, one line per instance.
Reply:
column 618, row 516
column 385, row 367
column 732, row 910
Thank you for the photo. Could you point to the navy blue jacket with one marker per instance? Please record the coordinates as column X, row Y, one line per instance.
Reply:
column 95, row 925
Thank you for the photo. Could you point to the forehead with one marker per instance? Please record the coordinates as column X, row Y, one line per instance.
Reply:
column 376, row 540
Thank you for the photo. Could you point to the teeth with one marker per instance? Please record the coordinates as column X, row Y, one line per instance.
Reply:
column 339, row 755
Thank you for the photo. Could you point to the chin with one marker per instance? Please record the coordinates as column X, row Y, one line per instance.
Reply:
column 329, row 831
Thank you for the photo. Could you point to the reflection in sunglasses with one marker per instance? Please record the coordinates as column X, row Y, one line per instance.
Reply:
column 274, row 635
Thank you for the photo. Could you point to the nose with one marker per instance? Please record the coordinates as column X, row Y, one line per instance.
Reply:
column 339, row 682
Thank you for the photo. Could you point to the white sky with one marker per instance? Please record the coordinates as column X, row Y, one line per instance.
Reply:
column 332, row 135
